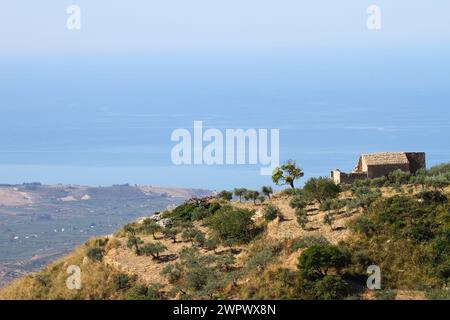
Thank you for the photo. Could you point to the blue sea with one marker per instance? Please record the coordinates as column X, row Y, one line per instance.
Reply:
column 107, row 119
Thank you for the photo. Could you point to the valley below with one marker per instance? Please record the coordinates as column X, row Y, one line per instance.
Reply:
column 40, row 223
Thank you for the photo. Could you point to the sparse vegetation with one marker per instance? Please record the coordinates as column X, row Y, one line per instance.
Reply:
column 321, row 189
column 240, row 192
column 225, row 195
column 134, row 242
column 218, row 250
column 267, row 191
column 271, row 212
column 153, row 249
column 232, row 226
column 95, row 254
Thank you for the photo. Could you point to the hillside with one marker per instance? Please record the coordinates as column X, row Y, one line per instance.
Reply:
column 39, row 223
column 310, row 243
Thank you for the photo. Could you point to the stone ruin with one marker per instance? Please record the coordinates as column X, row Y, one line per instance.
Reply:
column 375, row 165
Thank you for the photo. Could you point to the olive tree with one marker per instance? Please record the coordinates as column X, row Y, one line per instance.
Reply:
column 287, row 174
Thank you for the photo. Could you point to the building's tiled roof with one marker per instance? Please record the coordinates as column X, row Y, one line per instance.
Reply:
column 385, row 158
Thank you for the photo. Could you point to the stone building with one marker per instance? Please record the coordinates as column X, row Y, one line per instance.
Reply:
column 376, row 165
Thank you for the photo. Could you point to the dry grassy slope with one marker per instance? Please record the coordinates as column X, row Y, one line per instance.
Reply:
column 288, row 229
column 148, row 270
column 95, row 279
column 121, row 259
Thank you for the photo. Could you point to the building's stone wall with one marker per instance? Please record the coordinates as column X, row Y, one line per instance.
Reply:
column 376, row 171
column 416, row 161
column 347, row 178
column 381, row 167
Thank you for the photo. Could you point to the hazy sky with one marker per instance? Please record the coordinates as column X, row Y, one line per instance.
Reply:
column 98, row 105
column 119, row 26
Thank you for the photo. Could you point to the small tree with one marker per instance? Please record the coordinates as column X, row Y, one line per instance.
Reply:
column 297, row 202
column 438, row 182
column 130, row 229
column 329, row 219
column 228, row 260
column 121, row 281
column 134, row 242
column 189, row 234
column 271, row 212
column 231, row 225
column 287, row 174
column 398, row 177
column 267, row 191
column 420, row 178
column 261, row 199
column 240, row 192
column 225, row 195
column 199, row 213
column 321, row 189
column 252, row 195
column 151, row 227
column 211, row 244
column 317, row 260
column 199, row 239
column 365, row 196
column 302, row 217
column 170, row 233
column 153, row 249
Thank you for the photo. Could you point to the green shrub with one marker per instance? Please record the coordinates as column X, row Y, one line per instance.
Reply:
column 330, row 288
column 361, row 183
column 379, row 182
column 170, row 233
column 122, row 281
column 261, row 258
column 307, row 241
column 385, row 294
column 329, row 220
column 231, row 225
column 399, row 177
column 333, row 204
column 433, row 196
column 150, row 227
column 364, row 197
column 225, row 195
column 271, row 212
column 316, row 261
column 297, row 202
column 443, row 168
column 195, row 275
column 438, row 182
column 321, row 188
column 199, row 213
column 407, row 238
column 302, row 217
column 134, row 242
column 95, row 254
column 182, row 212
column 153, row 249
column 363, row 225
column 142, row 292
column 438, row 294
